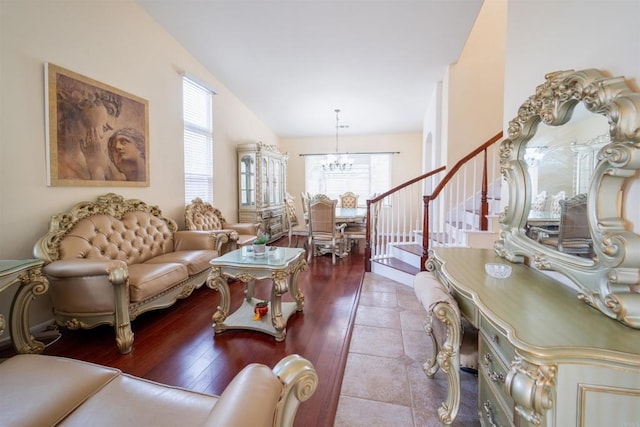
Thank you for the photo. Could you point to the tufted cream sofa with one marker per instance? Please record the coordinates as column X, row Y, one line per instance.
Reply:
column 110, row 260
column 47, row 390
column 199, row 215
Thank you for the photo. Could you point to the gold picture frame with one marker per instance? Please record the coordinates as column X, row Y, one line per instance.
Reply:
column 97, row 135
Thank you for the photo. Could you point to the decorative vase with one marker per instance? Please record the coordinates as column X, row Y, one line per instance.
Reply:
column 259, row 249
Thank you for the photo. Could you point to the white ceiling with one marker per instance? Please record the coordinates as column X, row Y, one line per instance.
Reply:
column 293, row 62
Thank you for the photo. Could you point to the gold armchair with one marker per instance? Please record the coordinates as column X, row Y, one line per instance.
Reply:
column 199, row 215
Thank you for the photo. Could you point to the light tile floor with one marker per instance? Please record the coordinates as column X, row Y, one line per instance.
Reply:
column 384, row 383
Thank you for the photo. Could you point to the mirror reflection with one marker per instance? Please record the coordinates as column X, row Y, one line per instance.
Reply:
column 560, row 161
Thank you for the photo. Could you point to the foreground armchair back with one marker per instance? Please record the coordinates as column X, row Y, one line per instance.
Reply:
column 50, row 390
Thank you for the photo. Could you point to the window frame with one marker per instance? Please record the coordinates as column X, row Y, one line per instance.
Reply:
column 334, row 183
column 197, row 140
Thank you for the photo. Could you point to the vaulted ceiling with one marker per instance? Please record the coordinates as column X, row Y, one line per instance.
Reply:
column 293, row 62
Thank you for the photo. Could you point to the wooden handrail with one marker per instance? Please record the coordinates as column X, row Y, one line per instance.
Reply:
column 484, row 209
column 367, row 248
column 405, row 184
column 461, row 162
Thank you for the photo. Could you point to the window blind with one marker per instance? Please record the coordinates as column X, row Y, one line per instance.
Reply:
column 198, row 141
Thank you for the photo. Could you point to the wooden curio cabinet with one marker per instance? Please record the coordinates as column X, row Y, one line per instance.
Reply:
column 262, row 173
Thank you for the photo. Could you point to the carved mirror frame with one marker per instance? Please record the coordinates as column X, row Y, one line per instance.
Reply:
column 610, row 280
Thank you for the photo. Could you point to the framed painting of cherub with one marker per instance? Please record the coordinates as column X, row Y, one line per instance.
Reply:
column 97, row 135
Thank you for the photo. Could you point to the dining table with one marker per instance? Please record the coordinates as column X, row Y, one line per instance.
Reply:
column 351, row 215
column 348, row 215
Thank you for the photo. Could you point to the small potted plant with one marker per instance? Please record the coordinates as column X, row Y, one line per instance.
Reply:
column 260, row 244
column 261, row 309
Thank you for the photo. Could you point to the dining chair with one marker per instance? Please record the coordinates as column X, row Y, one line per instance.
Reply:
column 540, row 201
column 324, row 235
column 296, row 228
column 304, row 197
column 555, row 202
column 573, row 235
column 349, row 200
column 354, row 233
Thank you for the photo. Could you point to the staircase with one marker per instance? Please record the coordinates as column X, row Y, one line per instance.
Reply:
column 457, row 208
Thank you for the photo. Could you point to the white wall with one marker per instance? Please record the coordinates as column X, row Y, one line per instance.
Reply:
column 432, row 130
column 546, row 36
column 474, row 92
column 116, row 43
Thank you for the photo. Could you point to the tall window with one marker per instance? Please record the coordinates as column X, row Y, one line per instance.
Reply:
column 198, row 141
column 369, row 175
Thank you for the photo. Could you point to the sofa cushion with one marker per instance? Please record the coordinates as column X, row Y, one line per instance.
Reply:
column 42, row 390
column 195, row 261
column 147, row 280
column 129, row 401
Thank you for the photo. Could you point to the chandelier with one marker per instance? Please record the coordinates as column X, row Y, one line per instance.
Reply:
column 335, row 162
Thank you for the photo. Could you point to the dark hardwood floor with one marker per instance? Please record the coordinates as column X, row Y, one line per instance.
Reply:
column 177, row 345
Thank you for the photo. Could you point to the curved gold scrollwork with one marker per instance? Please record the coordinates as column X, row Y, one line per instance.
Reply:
column 607, row 279
column 48, row 247
column 531, row 387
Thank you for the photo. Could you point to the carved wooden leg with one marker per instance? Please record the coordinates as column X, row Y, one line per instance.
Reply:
column 33, row 284
column 280, row 286
column 119, row 277
column 431, row 366
column 449, row 360
column 217, row 282
column 294, row 290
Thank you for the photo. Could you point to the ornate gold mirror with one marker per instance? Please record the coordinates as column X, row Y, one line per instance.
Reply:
column 571, row 155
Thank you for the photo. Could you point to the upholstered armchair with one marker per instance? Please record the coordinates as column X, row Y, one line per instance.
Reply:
column 199, row 215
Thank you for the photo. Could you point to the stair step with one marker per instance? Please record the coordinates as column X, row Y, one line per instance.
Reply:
column 460, row 225
column 398, row 265
column 412, row 248
column 441, row 238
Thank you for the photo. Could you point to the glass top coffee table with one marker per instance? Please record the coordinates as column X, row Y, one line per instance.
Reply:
column 281, row 265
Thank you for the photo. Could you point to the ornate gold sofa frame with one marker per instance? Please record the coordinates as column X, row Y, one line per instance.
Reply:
column 110, row 260
column 49, row 390
column 199, row 215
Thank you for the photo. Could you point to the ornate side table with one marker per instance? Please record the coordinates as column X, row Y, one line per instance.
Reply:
column 28, row 275
column 281, row 265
